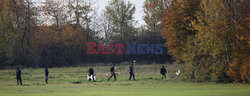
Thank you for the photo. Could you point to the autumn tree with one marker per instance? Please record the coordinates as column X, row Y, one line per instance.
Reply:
column 8, row 35
column 175, row 26
column 239, row 28
column 154, row 10
column 54, row 12
column 55, row 9
column 208, row 51
column 24, row 17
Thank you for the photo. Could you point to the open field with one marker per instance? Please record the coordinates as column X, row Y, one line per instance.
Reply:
column 148, row 83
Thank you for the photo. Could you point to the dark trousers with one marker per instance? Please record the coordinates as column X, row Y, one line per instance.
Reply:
column 163, row 75
column 19, row 79
column 112, row 74
column 131, row 74
column 46, row 78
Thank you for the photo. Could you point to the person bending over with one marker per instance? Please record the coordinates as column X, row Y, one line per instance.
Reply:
column 91, row 74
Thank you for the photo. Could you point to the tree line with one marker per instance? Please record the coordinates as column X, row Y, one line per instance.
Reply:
column 54, row 33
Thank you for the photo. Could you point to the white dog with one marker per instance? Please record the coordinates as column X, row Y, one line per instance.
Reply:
column 91, row 77
column 177, row 73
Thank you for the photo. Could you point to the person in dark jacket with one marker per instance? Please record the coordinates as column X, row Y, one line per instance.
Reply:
column 112, row 71
column 163, row 72
column 91, row 73
column 46, row 74
column 131, row 72
column 18, row 76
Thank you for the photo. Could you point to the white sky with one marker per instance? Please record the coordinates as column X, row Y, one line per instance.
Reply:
column 100, row 4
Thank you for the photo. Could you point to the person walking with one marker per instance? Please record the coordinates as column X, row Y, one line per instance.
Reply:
column 131, row 72
column 112, row 71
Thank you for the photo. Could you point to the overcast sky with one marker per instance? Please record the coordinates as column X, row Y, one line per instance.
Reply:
column 100, row 5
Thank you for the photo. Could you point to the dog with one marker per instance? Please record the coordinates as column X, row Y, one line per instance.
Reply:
column 177, row 73
column 90, row 77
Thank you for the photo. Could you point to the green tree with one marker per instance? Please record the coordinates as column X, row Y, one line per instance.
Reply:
column 120, row 16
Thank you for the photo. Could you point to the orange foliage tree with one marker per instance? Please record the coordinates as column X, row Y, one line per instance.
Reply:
column 239, row 69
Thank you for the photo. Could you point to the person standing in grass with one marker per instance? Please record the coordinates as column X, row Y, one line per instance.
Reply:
column 112, row 70
column 18, row 76
column 46, row 75
column 163, row 72
column 91, row 73
column 131, row 72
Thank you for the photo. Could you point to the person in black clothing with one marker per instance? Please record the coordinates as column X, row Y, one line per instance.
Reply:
column 131, row 72
column 18, row 76
column 163, row 72
column 46, row 74
column 112, row 70
column 91, row 73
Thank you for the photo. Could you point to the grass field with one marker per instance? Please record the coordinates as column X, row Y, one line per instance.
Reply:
column 147, row 83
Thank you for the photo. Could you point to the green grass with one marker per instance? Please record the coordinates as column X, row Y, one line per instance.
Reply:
column 148, row 83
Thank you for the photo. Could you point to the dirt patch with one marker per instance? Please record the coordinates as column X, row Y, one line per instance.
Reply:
column 124, row 84
column 77, row 82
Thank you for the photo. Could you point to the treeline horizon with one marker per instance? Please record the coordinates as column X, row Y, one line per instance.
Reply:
column 54, row 34
column 207, row 39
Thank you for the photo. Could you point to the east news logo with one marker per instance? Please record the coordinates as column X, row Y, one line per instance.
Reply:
column 131, row 48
